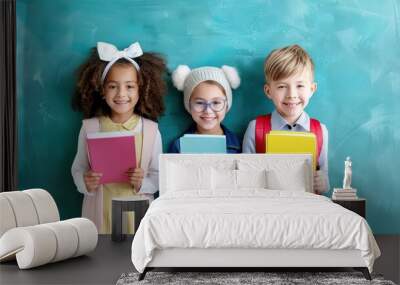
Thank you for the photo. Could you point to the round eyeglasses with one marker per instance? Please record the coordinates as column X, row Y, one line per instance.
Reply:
column 217, row 105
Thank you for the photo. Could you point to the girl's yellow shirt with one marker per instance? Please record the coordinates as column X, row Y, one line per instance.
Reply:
column 119, row 189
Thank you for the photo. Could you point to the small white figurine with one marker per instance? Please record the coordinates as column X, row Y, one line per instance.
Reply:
column 347, row 174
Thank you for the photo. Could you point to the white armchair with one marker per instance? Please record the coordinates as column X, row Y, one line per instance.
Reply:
column 31, row 230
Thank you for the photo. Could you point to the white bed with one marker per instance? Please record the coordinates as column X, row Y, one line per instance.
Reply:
column 240, row 210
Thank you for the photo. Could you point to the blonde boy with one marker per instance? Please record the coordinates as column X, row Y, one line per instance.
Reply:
column 289, row 76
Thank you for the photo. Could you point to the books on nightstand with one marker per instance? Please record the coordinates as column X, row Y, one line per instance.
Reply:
column 344, row 194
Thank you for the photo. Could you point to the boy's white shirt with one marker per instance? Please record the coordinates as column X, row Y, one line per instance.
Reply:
column 81, row 163
column 302, row 124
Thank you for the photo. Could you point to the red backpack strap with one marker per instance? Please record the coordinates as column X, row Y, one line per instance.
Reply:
column 263, row 127
column 315, row 128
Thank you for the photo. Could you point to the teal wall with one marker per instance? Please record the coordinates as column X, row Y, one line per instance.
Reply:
column 355, row 46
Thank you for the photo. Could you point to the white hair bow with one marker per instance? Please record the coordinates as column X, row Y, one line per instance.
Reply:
column 110, row 53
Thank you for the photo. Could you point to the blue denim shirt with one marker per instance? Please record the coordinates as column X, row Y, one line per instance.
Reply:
column 233, row 144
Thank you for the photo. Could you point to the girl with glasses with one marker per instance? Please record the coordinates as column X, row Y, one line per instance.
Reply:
column 207, row 97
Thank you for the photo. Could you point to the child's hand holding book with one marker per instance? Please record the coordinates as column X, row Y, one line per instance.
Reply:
column 320, row 185
column 92, row 180
column 136, row 178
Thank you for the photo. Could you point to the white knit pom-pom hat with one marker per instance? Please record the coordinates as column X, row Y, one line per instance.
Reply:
column 185, row 79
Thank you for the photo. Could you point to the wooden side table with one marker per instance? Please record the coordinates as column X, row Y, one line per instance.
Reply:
column 357, row 205
column 137, row 204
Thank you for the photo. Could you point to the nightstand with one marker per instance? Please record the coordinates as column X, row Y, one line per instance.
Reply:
column 137, row 204
column 356, row 205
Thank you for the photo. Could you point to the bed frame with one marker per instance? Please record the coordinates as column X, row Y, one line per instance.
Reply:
column 240, row 259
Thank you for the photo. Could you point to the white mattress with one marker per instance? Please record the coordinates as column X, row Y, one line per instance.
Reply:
column 251, row 218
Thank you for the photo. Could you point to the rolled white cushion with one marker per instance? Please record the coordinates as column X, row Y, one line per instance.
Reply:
column 23, row 208
column 87, row 235
column 67, row 239
column 40, row 244
column 7, row 218
column 45, row 205
column 33, row 246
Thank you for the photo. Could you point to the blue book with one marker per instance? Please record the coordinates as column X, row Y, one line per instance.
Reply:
column 191, row 143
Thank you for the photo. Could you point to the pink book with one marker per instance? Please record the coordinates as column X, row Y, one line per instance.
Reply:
column 112, row 153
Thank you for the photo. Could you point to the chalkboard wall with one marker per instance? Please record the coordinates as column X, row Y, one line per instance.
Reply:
column 355, row 46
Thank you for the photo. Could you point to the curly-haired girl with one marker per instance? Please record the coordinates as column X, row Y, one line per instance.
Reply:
column 119, row 91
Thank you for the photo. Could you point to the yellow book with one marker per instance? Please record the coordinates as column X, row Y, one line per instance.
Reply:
column 287, row 142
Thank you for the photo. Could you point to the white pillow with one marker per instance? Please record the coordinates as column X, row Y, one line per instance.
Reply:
column 188, row 177
column 224, row 179
column 251, row 178
column 254, row 164
column 281, row 174
column 292, row 179
column 222, row 163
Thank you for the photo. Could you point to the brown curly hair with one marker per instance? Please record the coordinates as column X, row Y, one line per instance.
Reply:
column 88, row 96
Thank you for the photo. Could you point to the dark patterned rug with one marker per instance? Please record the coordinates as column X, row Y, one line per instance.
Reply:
column 231, row 278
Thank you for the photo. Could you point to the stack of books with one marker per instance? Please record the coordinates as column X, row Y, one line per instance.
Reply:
column 344, row 194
